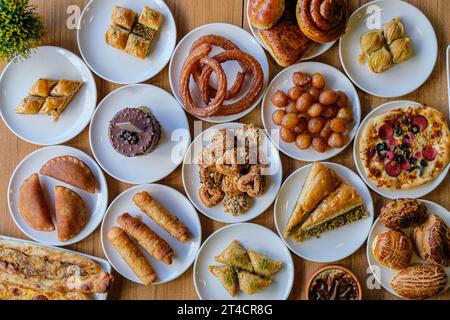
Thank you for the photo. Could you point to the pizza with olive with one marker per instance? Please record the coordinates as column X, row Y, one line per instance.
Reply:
column 405, row 148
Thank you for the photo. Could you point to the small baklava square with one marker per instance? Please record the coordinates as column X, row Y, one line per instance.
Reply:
column 66, row 88
column 138, row 46
column 42, row 88
column 151, row 18
column 30, row 105
column 117, row 37
column 123, row 17
column 144, row 31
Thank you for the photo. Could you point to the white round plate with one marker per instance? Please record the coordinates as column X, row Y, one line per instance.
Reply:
column 243, row 40
column 96, row 203
column 249, row 235
column 168, row 154
column 51, row 63
column 335, row 80
column 384, row 274
column 191, row 179
column 178, row 205
column 116, row 65
column 316, row 50
column 332, row 245
column 402, row 78
column 392, row 193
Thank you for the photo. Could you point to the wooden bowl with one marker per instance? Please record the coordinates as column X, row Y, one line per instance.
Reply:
column 336, row 267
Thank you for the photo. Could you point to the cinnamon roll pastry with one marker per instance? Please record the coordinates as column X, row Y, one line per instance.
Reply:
column 322, row 20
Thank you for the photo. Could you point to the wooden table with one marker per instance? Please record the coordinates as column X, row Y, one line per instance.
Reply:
column 190, row 14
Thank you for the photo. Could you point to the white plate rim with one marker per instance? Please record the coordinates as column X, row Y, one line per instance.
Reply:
column 87, row 120
column 150, row 185
column 403, row 93
column 325, row 156
column 85, row 9
column 236, row 116
column 144, row 85
column 103, row 183
column 369, row 207
column 308, row 56
column 369, row 252
column 432, row 185
column 290, row 262
column 100, row 261
column 239, row 219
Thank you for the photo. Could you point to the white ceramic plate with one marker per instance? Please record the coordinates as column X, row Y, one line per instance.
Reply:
column 191, row 179
column 384, row 274
column 249, row 235
column 168, row 154
column 178, row 205
column 392, row 193
column 316, row 50
column 332, row 245
column 101, row 262
column 335, row 80
column 51, row 63
column 243, row 40
column 115, row 65
column 96, row 203
column 402, row 78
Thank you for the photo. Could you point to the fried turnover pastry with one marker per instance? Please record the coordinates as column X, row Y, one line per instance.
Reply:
column 50, row 270
column 146, row 237
column 432, row 241
column 419, row 281
column 71, row 213
column 227, row 277
column 161, row 216
column 236, row 256
column 72, row 171
column 321, row 181
column 131, row 254
column 32, row 205
column 263, row 265
column 393, row 249
column 252, row 283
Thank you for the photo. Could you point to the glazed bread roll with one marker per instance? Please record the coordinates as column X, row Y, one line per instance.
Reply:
column 393, row 249
column 322, row 20
column 264, row 14
column 131, row 255
column 419, row 281
column 161, row 216
column 432, row 241
column 146, row 237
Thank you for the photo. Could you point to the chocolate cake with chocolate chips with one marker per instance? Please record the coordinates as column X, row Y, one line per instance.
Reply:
column 134, row 132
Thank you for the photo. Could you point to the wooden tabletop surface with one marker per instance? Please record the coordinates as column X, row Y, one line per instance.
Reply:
column 190, row 14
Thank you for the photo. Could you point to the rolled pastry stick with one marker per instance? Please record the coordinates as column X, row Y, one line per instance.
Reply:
column 161, row 216
column 131, row 255
column 146, row 237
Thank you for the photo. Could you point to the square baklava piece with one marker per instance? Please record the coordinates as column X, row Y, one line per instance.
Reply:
column 138, row 46
column 123, row 17
column 117, row 37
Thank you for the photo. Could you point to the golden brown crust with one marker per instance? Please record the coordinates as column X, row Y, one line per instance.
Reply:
column 72, row 171
column 286, row 42
column 42, row 88
column 131, row 254
column 432, row 241
column 12, row 292
column 51, row 270
column 30, row 105
column 161, row 216
column 419, row 281
column 71, row 213
column 343, row 199
column 123, row 17
column 393, row 249
column 403, row 213
column 137, row 46
column 227, row 277
column 146, row 237
column 32, row 205
column 151, row 18
column 117, row 37
column 321, row 181
column 322, row 20
column 264, row 14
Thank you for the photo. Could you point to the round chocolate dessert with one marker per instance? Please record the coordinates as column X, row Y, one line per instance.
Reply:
column 134, row 132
